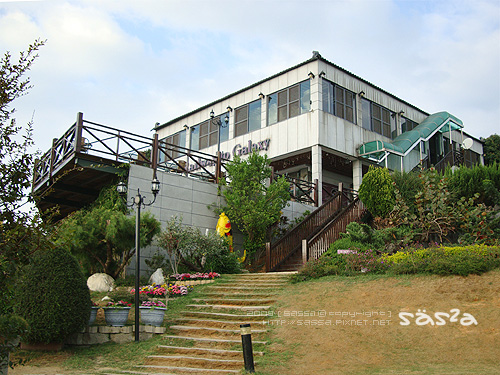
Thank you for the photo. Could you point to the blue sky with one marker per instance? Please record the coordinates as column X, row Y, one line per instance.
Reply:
column 129, row 64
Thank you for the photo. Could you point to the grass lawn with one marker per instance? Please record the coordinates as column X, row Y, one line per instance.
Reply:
column 346, row 325
column 351, row 325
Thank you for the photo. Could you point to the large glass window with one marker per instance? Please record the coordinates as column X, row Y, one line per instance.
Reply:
column 407, row 124
column 339, row 101
column 206, row 134
column 378, row 119
column 290, row 102
column 247, row 118
column 177, row 139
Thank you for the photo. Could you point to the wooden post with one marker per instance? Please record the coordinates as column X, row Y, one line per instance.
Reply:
column 268, row 256
column 304, row 251
column 78, row 135
column 52, row 157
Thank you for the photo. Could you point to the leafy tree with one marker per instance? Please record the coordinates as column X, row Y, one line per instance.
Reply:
column 102, row 237
column 377, row 191
column 492, row 149
column 187, row 246
column 253, row 204
column 21, row 231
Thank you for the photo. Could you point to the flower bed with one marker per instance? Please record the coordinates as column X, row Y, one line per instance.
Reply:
column 196, row 276
column 163, row 291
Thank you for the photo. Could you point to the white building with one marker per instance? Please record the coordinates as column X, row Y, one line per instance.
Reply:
column 318, row 122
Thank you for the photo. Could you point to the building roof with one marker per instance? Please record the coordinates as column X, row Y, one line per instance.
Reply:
column 316, row 56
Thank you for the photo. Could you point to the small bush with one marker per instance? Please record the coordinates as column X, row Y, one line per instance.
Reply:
column 324, row 266
column 53, row 297
column 377, row 191
column 458, row 260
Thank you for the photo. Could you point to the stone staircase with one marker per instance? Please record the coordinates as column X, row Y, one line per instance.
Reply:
column 206, row 337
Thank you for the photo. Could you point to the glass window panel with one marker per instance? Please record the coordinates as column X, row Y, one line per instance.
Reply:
column 294, row 109
column 327, row 97
column 282, row 98
column 272, row 112
column 305, row 97
column 386, row 116
column 282, row 113
column 241, row 113
column 224, row 128
column 195, row 138
column 339, row 110
column 213, row 125
column 254, row 116
column 339, row 94
column 366, row 113
column 213, row 139
column 293, row 93
column 376, row 111
column 387, row 130
column 349, row 114
column 240, row 128
column 203, row 142
column 204, row 128
column 377, row 126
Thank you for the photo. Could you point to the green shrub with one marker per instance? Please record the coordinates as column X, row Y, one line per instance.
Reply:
column 12, row 327
column 188, row 247
column 377, row 191
column 458, row 260
column 53, row 297
column 316, row 268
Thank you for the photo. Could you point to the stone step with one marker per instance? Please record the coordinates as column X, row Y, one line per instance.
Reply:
column 195, row 370
column 210, row 339
column 244, row 288
column 207, row 351
column 213, row 329
column 231, row 307
column 195, row 358
column 250, row 315
column 219, row 323
column 235, row 301
column 239, row 294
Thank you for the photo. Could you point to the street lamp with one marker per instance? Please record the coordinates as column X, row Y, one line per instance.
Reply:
column 138, row 201
column 217, row 121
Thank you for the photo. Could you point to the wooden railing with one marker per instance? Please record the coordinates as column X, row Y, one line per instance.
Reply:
column 101, row 141
column 321, row 241
column 278, row 252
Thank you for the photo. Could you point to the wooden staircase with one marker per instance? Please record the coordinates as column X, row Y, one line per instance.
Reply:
column 312, row 237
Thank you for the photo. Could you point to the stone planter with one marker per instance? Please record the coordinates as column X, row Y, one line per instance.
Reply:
column 4, row 361
column 93, row 315
column 152, row 316
column 116, row 316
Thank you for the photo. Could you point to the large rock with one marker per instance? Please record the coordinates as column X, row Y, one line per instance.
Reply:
column 157, row 277
column 101, row 282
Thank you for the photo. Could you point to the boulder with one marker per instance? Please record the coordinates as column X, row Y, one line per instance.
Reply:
column 157, row 277
column 101, row 282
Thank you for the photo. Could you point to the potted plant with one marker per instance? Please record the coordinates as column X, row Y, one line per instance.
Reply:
column 152, row 312
column 93, row 313
column 116, row 313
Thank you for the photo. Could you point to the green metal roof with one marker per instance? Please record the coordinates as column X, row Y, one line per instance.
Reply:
column 404, row 143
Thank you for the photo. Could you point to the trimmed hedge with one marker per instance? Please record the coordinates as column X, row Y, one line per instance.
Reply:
column 53, row 297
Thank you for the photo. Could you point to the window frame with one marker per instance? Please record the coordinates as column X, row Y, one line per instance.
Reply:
column 335, row 100
column 247, row 121
column 288, row 103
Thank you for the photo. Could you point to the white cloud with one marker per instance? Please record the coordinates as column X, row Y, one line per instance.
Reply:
column 129, row 64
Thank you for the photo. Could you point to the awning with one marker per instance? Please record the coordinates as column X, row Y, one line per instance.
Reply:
column 439, row 122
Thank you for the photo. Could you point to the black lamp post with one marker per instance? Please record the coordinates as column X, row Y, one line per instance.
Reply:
column 217, row 121
column 138, row 201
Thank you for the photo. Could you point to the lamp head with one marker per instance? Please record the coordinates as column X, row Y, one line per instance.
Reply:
column 121, row 188
column 155, row 186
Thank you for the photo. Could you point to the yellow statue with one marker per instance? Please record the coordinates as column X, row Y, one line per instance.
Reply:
column 224, row 229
